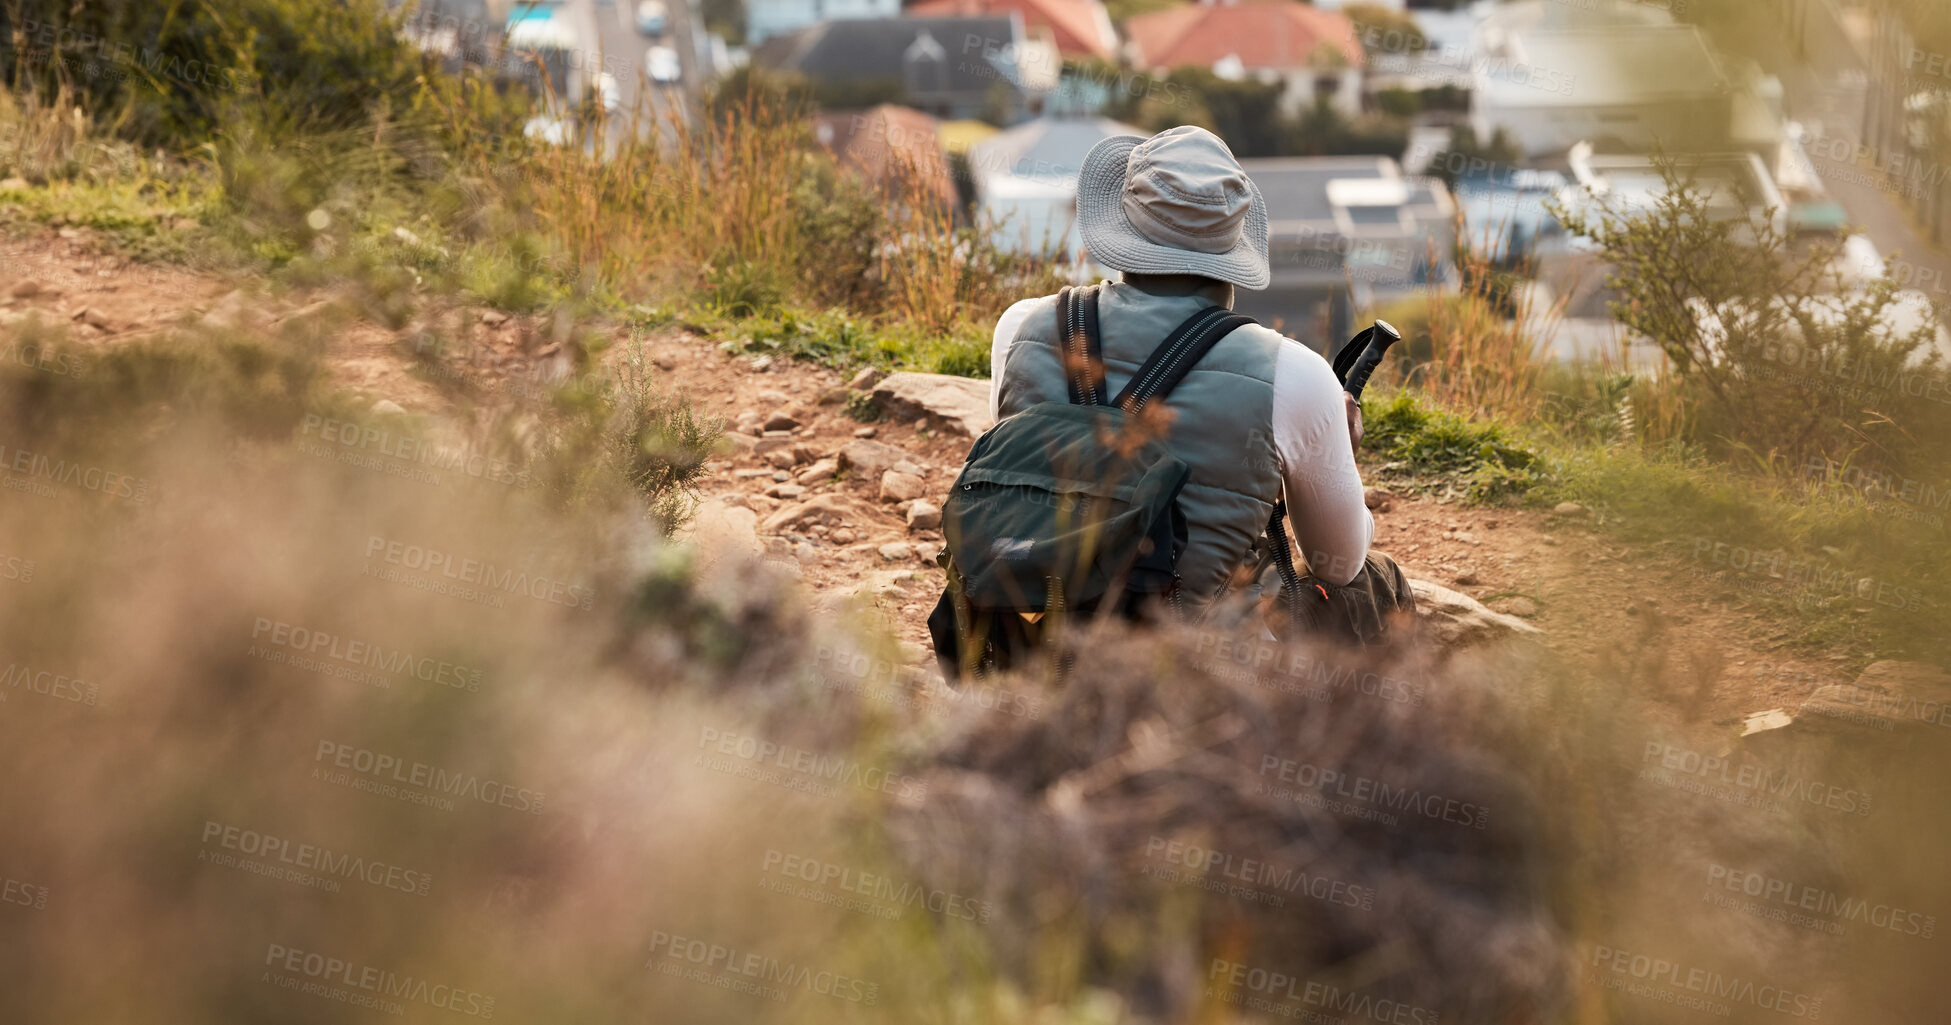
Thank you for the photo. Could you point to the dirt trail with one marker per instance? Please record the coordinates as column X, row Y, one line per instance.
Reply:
column 1597, row 600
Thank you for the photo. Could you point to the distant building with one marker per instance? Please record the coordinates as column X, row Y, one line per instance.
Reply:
column 1310, row 52
column 1077, row 28
column 767, row 18
column 1026, row 185
column 1737, row 186
column 1630, row 89
column 1507, row 214
column 947, row 67
column 897, row 149
column 1346, row 233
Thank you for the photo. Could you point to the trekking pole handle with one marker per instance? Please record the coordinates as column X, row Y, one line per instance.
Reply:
column 1380, row 336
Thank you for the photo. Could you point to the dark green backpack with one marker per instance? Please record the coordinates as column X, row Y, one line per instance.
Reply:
column 1068, row 507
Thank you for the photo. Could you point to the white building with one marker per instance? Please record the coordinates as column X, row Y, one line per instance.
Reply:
column 1637, row 89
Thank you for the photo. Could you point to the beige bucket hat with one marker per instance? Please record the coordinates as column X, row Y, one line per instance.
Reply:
column 1176, row 203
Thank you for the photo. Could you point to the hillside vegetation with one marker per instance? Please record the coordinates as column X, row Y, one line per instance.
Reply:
column 320, row 706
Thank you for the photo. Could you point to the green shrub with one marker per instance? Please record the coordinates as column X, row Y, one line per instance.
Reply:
column 1431, row 448
column 177, row 72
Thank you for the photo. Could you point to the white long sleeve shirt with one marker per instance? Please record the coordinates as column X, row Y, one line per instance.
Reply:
column 1331, row 526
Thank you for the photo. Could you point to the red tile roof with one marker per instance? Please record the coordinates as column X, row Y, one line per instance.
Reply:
column 1080, row 28
column 891, row 146
column 1277, row 34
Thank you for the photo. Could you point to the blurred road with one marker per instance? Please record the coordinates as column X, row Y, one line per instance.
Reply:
column 1831, row 102
column 612, row 29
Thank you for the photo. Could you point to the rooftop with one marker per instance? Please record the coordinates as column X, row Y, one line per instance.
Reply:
column 1604, row 67
column 1263, row 34
column 1047, row 147
column 877, row 49
column 1343, row 195
column 1080, row 28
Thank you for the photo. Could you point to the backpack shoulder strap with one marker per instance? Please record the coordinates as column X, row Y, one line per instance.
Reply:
column 1173, row 359
column 1083, row 345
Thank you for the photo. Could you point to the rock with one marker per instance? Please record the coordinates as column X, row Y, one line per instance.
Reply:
column 184, row 224
column 924, row 515
column 901, row 487
column 789, row 492
column 831, row 509
column 781, row 420
column 767, row 446
column 961, row 404
column 896, row 551
column 308, row 311
column 227, row 313
column 781, row 435
column 387, row 407
column 1376, row 499
column 781, row 476
column 93, row 317
column 736, row 443
column 1466, row 577
column 865, row 379
column 877, row 582
column 804, row 453
column 819, row 471
column 749, row 474
column 868, row 460
column 493, row 318
column 1568, row 509
column 911, row 653
column 841, row 536
column 664, row 361
column 1887, row 698
column 864, row 432
column 1515, row 605
column 14, row 184
column 806, row 553
column 720, row 528
column 773, row 397
column 27, row 289
column 1458, row 620
column 782, row 458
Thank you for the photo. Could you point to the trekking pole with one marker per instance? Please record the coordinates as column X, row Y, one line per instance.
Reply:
column 1363, row 353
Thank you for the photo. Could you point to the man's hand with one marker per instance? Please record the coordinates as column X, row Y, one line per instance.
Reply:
column 1354, row 407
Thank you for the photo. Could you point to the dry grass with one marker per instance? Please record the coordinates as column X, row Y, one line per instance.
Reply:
column 52, row 137
column 1484, row 359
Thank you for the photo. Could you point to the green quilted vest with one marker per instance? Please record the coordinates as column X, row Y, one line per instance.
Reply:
column 1224, row 413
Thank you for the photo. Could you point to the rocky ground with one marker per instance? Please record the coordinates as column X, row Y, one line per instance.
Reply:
column 851, row 507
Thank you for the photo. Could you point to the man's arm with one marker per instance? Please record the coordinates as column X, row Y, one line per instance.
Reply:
column 1332, row 527
column 1008, row 326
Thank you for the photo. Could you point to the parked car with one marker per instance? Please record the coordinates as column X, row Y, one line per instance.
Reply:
column 652, row 17
column 661, row 65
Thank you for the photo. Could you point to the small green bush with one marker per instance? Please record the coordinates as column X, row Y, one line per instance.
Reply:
column 1429, row 447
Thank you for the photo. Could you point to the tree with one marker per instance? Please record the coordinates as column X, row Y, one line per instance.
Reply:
column 1466, row 156
column 1787, row 362
column 1382, row 30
